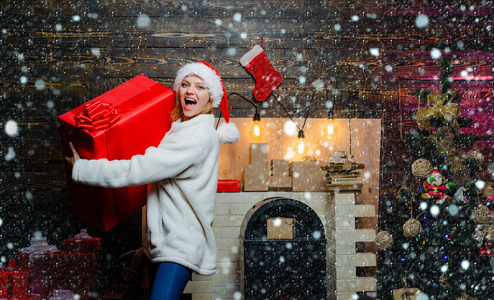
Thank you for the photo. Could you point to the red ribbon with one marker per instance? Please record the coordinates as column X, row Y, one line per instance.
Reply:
column 97, row 115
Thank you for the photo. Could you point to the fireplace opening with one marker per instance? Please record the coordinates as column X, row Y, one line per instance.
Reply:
column 284, row 251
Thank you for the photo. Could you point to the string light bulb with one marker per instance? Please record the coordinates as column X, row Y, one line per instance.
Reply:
column 301, row 144
column 331, row 126
column 256, row 131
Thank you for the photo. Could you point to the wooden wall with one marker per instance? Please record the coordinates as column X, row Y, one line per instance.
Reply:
column 57, row 55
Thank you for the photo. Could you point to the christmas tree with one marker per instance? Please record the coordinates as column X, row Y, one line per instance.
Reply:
column 433, row 236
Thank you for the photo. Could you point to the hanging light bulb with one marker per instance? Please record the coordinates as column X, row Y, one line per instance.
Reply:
column 331, row 127
column 256, row 131
column 301, row 145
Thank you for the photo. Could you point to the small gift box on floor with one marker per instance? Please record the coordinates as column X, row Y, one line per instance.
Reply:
column 14, row 283
column 62, row 295
column 76, row 272
column 82, row 243
column 281, row 228
column 116, row 125
column 35, row 259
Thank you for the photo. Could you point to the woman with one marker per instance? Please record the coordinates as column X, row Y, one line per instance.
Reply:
column 182, row 174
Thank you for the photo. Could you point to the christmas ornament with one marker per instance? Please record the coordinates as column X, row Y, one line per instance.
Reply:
column 384, row 240
column 478, row 235
column 481, row 214
column 488, row 190
column 267, row 78
column 489, row 233
column 407, row 294
column 475, row 155
column 440, row 106
column 412, row 228
column 434, row 185
column 443, row 138
column 459, row 196
column 459, row 171
column 421, row 168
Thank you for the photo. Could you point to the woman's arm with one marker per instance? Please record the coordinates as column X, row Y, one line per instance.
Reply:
column 175, row 158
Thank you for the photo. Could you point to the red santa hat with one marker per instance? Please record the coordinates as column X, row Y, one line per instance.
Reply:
column 436, row 171
column 227, row 132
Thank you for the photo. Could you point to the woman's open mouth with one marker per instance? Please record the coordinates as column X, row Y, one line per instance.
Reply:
column 189, row 103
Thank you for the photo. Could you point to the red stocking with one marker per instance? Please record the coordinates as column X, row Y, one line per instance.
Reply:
column 267, row 78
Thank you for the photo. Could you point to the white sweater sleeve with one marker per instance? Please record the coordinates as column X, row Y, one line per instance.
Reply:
column 177, row 157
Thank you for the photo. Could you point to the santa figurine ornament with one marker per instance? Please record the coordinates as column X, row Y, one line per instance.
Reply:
column 435, row 185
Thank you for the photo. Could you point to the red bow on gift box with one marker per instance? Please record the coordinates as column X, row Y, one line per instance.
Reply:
column 97, row 115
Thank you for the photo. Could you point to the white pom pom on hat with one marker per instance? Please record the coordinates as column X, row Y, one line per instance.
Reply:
column 227, row 132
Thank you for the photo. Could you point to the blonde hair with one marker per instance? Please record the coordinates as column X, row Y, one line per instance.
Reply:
column 178, row 113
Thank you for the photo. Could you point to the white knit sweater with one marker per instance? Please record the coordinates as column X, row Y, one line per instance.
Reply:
column 182, row 173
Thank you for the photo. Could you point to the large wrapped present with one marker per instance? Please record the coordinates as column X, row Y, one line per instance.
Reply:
column 14, row 283
column 116, row 125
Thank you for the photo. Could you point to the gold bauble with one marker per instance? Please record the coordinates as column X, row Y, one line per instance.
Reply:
column 476, row 155
column 489, row 233
column 384, row 240
column 481, row 215
column 412, row 228
column 488, row 190
column 421, row 168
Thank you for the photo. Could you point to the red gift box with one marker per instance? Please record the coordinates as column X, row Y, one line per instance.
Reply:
column 76, row 272
column 35, row 259
column 116, row 125
column 14, row 283
column 82, row 243
column 228, row 186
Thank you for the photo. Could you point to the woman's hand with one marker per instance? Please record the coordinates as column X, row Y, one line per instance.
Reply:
column 75, row 155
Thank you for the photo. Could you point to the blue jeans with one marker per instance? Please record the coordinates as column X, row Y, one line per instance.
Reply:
column 170, row 281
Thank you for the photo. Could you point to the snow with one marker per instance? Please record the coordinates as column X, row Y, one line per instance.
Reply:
column 40, row 84
column 435, row 210
column 143, row 21
column 11, row 128
column 465, row 264
column 290, row 128
column 435, row 53
column 237, row 17
column 422, row 21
